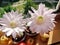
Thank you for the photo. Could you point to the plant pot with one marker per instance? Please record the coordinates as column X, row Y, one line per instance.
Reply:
column 19, row 39
column 30, row 33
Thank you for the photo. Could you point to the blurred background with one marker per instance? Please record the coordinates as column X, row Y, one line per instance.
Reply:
column 24, row 5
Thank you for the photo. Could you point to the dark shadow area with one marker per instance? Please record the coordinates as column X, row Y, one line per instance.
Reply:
column 57, row 43
column 7, row 2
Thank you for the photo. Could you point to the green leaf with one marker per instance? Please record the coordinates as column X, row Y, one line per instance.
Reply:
column 1, row 12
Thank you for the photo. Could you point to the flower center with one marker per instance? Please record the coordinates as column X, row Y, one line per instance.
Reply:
column 12, row 24
column 39, row 20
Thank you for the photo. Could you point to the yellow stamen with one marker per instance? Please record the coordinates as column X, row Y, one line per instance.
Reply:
column 12, row 24
column 39, row 20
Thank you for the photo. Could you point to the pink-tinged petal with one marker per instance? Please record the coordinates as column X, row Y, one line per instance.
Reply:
column 21, row 30
column 14, row 34
column 50, row 11
column 6, row 29
column 4, row 22
column 9, row 32
column 27, row 20
column 2, row 28
column 41, row 9
column 33, row 15
column 52, row 16
column 46, row 9
column 18, row 30
column 45, row 28
column 11, row 16
column 12, row 12
column 35, row 11
column 33, row 27
column 58, row 5
column 6, row 16
column 38, row 30
column 51, row 25
column 29, row 23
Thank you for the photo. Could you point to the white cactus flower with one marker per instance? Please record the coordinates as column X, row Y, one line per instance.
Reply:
column 42, row 20
column 12, row 23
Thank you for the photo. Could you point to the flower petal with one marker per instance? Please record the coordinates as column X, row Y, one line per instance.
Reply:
column 14, row 34
column 6, row 29
column 41, row 9
column 29, row 23
column 9, row 32
column 18, row 30
column 34, row 11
